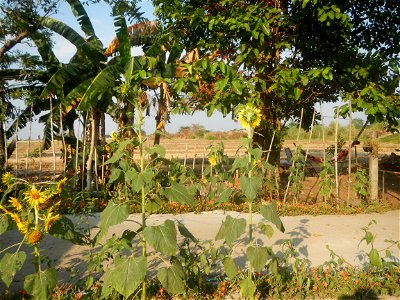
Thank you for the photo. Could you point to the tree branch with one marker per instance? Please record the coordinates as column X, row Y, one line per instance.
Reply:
column 8, row 45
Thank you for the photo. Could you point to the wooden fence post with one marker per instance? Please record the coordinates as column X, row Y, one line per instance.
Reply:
column 373, row 166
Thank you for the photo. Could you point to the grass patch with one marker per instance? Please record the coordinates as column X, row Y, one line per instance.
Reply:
column 391, row 139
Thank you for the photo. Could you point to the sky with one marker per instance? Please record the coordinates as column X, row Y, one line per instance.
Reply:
column 100, row 16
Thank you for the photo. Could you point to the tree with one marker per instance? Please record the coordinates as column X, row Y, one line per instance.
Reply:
column 286, row 56
column 22, row 74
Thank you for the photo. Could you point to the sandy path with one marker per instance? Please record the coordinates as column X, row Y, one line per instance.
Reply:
column 310, row 234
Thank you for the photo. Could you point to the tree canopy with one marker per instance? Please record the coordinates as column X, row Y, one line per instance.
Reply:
column 289, row 55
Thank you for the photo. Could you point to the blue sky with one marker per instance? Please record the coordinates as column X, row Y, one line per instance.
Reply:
column 100, row 15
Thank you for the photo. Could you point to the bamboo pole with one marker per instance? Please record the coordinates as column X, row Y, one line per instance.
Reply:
column 350, row 143
column 63, row 141
column 202, row 164
column 16, row 144
column 323, row 139
column 96, row 174
column 77, row 150
column 186, row 152
column 52, row 139
column 6, row 148
column 194, row 156
column 40, row 158
column 29, row 143
column 297, row 140
column 84, row 132
column 309, row 140
column 267, row 159
column 336, row 158
column 323, row 131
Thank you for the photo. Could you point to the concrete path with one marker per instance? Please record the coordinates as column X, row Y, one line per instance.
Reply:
column 310, row 235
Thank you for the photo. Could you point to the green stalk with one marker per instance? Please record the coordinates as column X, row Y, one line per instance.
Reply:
column 250, row 136
column 144, row 250
column 36, row 248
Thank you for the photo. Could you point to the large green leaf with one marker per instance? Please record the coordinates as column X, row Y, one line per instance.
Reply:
column 179, row 193
column 10, row 263
column 173, row 278
column 186, row 233
column 3, row 223
column 124, row 46
column 84, row 21
column 268, row 211
column 162, row 237
column 113, row 214
column 247, row 288
column 64, row 228
column 250, row 186
column 231, row 229
column 224, row 196
column 138, row 180
column 374, row 258
column 91, row 50
column 257, row 256
column 67, row 73
column 128, row 273
column 64, row 30
column 40, row 285
column 104, row 81
column 230, row 267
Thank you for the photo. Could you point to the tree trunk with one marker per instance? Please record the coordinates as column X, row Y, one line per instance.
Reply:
column 265, row 132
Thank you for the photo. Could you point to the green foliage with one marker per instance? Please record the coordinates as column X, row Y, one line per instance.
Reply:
column 231, row 229
column 127, row 274
column 297, row 173
column 10, row 263
column 162, row 237
column 326, row 180
column 361, row 184
column 41, row 284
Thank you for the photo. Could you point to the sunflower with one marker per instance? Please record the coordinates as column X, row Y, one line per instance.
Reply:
column 114, row 136
column 50, row 219
column 60, row 184
column 15, row 203
column 34, row 237
column 249, row 116
column 35, row 197
column 22, row 226
column 8, row 179
column 212, row 160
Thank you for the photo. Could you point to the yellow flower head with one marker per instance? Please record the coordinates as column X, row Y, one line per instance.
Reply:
column 15, row 203
column 113, row 135
column 8, row 179
column 22, row 226
column 34, row 237
column 60, row 184
column 249, row 116
column 50, row 219
column 35, row 197
column 212, row 160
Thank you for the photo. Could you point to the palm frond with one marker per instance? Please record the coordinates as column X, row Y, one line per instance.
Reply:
column 124, row 47
column 100, row 84
column 44, row 47
column 67, row 73
column 89, row 48
column 83, row 19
